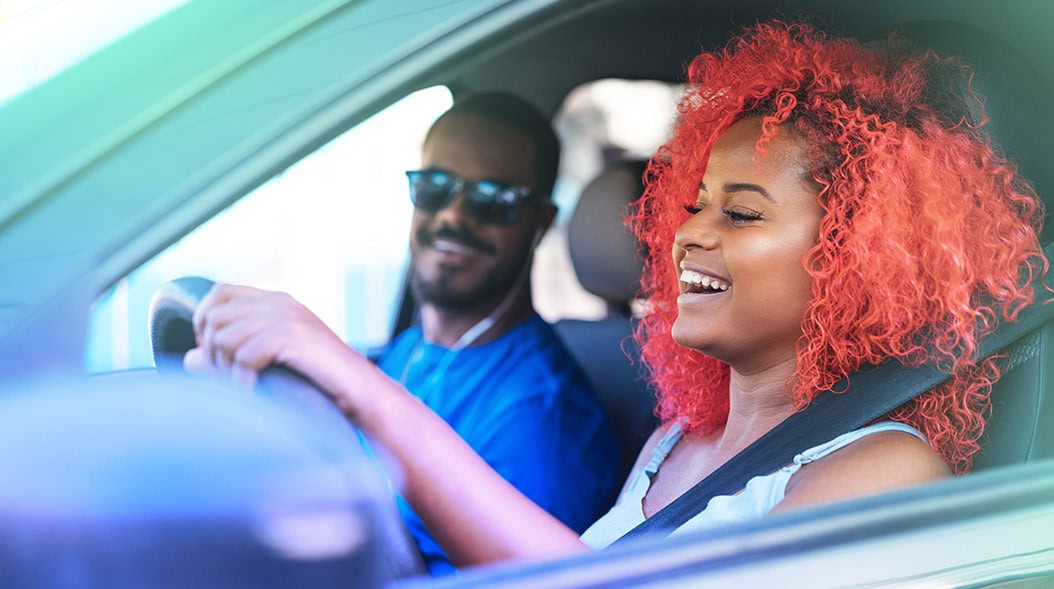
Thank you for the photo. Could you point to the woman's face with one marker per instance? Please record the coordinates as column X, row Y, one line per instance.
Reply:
column 740, row 257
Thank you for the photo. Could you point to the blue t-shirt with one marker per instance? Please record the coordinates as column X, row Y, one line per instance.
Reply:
column 523, row 405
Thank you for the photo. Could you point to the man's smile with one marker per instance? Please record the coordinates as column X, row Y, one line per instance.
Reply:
column 453, row 241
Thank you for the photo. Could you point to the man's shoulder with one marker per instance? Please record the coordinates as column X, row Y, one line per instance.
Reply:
column 535, row 335
column 535, row 345
column 397, row 351
column 537, row 367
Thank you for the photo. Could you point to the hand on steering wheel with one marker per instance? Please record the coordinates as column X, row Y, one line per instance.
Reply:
column 246, row 338
column 173, row 318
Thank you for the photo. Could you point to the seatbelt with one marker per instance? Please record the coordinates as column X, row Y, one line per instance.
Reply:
column 876, row 390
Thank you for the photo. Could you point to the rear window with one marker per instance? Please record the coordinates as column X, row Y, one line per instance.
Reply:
column 331, row 230
column 599, row 123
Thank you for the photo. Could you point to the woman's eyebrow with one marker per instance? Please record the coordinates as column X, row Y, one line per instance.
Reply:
column 743, row 187
column 747, row 187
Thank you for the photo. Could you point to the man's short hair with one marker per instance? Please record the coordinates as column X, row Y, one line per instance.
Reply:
column 516, row 113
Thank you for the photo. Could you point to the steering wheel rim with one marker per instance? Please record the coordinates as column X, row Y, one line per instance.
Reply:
column 171, row 320
column 172, row 335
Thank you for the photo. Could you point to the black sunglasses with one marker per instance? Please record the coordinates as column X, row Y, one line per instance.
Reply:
column 490, row 201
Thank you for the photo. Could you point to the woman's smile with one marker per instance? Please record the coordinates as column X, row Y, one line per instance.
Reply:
column 700, row 286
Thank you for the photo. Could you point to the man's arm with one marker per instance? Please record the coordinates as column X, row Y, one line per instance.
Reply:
column 476, row 515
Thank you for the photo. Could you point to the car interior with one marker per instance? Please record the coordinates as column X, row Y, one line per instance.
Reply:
column 1016, row 93
column 622, row 39
column 543, row 53
column 607, row 262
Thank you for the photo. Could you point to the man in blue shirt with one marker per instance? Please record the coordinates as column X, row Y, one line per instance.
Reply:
column 481, row 357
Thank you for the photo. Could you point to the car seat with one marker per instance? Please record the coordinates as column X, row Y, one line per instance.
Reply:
column 1017, row 104
column 607, row 261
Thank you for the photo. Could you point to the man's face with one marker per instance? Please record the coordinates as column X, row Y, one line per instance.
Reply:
column 458, row 262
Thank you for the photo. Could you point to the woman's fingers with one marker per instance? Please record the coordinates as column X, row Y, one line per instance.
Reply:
column 241, row 331
column 249, row 348
column 227, row 338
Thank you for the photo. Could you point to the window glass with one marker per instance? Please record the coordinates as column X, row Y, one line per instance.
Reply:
column 599, row 123
column 39, row 38
column 331, row 230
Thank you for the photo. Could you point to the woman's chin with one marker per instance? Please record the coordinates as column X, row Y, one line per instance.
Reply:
column 691, row 337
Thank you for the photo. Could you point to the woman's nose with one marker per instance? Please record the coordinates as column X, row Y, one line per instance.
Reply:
column 698, row 231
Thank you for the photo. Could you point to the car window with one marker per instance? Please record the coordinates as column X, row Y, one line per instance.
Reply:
column 599, row 123
column 331, row 230
column 39, row 38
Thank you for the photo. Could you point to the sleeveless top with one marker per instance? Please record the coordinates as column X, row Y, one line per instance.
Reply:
column 760, row 495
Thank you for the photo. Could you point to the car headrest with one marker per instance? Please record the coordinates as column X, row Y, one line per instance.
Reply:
column 1016, row 98
column 605, row 254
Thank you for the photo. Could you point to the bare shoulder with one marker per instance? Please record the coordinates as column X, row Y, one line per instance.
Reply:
column 880, row 462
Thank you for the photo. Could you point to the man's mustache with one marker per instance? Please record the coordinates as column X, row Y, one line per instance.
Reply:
column 427, row 236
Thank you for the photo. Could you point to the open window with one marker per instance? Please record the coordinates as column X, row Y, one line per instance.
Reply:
column 331, row 230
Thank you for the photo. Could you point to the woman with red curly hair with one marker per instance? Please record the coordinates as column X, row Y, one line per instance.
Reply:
column 824, row 209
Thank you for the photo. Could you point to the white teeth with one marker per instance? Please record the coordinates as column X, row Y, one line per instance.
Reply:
column 453, row 247
column 697, row 279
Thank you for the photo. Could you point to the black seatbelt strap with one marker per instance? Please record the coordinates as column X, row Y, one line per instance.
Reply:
column 876, row 390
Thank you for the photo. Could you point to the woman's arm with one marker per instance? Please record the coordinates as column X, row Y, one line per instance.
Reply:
column 881, row 462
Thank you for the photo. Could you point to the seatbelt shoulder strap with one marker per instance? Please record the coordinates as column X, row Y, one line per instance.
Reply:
column 876, row 390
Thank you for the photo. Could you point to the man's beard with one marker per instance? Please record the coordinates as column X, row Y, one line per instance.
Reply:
column 441, row 292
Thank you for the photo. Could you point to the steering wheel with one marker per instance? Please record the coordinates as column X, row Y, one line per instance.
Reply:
column 171, row 320
column 172, row 335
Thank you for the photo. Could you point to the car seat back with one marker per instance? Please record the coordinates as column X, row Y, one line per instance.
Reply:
column 606, row 259
column 1022, row 405
column 1017, row 104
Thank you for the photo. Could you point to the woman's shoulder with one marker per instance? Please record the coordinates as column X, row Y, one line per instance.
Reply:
column 882, row 460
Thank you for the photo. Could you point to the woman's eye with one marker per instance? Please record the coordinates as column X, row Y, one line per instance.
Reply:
column 694, row 209
column 741, row 215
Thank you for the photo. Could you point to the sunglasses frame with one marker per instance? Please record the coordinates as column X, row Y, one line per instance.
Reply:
column 498, row 206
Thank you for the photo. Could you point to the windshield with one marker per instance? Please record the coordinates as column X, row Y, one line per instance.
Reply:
column 40, row 38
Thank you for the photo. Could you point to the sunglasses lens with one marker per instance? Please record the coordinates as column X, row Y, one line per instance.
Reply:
column 431, row 191
column 490, row 202
column 494, row 203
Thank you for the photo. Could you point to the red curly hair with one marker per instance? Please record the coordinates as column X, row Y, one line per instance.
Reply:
column 928, row 236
